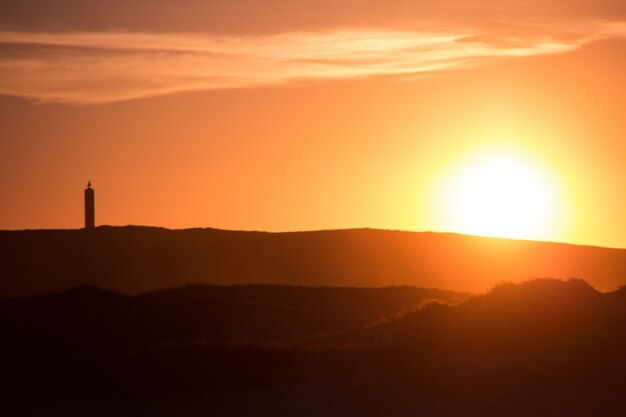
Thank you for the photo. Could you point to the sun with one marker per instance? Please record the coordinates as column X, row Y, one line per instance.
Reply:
column 501, row 194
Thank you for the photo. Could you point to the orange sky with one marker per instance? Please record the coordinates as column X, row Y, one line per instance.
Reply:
column 299, row 115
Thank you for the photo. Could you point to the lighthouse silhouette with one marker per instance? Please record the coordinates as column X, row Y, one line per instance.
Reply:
column 90, row 207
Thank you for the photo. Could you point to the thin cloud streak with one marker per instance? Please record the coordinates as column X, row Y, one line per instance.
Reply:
column 102, row 67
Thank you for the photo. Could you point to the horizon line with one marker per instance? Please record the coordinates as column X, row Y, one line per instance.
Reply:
column 319, row 230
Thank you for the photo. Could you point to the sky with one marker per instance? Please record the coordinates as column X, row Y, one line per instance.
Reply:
column 290, row 115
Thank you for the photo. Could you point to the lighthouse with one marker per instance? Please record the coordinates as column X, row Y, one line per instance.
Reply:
column 90, row 207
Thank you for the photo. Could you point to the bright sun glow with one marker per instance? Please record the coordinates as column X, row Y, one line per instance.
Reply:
column 500, row 194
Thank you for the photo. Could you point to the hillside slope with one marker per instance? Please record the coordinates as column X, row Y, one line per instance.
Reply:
column 136, row 259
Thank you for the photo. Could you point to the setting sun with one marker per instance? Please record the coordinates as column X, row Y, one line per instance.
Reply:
column 500, row 194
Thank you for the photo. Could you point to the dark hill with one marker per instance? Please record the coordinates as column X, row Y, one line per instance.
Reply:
column 105, row 322
column 138, row 259
column 515, row 316
column 539, row 348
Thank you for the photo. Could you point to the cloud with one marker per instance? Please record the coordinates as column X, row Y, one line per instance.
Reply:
column 102, row 67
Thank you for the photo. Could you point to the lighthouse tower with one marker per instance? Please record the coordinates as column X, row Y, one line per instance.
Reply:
column 90, row 207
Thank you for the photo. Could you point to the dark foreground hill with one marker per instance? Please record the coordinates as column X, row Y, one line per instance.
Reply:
column 105, row 322
column 138, row 259
column 541, row 348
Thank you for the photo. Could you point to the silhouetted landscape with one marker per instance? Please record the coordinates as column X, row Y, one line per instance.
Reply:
column 542, row 347
column 416, row 208
column 126, row 321
column 138, row 259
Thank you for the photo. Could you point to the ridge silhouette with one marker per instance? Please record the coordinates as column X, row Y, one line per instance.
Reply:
column 137, row 259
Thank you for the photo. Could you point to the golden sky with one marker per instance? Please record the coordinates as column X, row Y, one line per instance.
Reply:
column 299, row 115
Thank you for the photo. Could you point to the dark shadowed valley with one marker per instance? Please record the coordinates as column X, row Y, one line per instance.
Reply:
column 543, row 348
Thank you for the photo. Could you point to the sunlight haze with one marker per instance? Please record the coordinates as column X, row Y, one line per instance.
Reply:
column 316, row 115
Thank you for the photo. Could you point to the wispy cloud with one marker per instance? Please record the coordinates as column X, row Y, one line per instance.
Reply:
column 101, row 67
